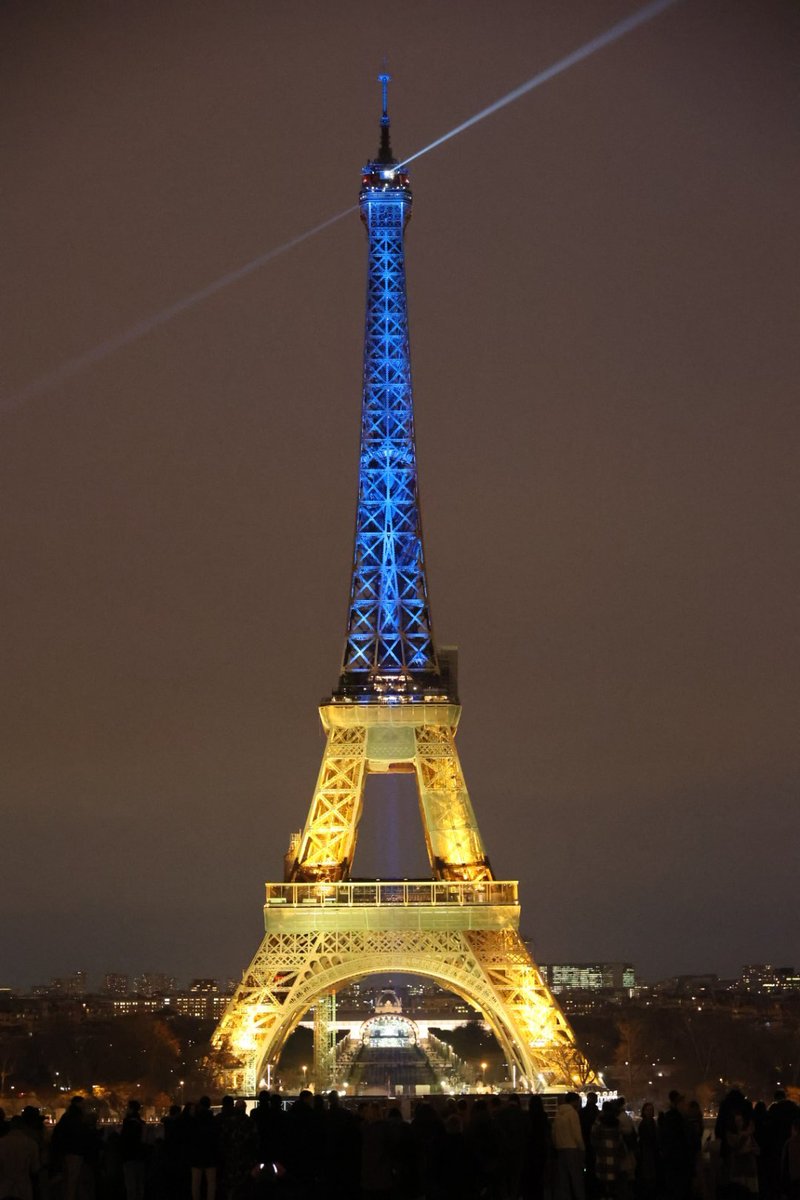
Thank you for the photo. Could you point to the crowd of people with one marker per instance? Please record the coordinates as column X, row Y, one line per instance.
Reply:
column 747, row 1151
column 466, row 1148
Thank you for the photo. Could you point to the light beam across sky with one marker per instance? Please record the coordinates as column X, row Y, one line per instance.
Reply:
column 81, row 362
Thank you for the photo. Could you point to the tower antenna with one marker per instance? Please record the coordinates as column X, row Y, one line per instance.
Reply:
column 385, row 152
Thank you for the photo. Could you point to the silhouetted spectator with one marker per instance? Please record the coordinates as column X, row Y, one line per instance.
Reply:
column 402, row 1156
column 677, row 1154
column 780, row 1116
column 742, row 1154
column 609, row 1150
column 539, row 1150
column 223, row 1121
column 173, row 1156
column 203, row 1150
column 342, row 1150
column 70, row 1144
column 790, row 1164
column 514, row 1128
column 240, row 1153
column 428, row 1133
column 376, row 1169
column 627, row 1167
column 588, row 1115
column 302, row 1145
column 648, row 1155
column 19, row 1162
column 486, row 1144
column 569, row 1148
column 131, row 1148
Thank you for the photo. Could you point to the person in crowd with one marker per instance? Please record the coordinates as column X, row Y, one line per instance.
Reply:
column 588, row 1115
column 428, row 1134
column 342, row 1149
column 514, row 1131
column 302, row 1146
column 401, row 1152
column 376, row 1174
column 239, row 1153
column 459, row 1172
column 677, row 1152
column 70, row 1145
column 743, row 1151
column 627, row 1166
column 172, row 1159
column 609, row 1150
column 33, row 1125
column 789, row 1183
column 648, row 1155
column 202, row 1148
column 19, row 1162
column 270, row 1122
column 223, row 1121
column 132, row 1151
column 780, row 1117
column 539, row 1151
column 569, row 1148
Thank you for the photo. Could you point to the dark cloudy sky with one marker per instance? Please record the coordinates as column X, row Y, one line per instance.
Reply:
column 604, row 301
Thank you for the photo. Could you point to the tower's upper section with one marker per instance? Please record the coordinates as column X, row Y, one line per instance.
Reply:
column 389, row 653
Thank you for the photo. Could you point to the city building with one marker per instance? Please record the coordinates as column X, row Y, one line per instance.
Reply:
column 611, row 976
column 129, row 1005
column 115, row 984
column 155, row 983
column 765, row 980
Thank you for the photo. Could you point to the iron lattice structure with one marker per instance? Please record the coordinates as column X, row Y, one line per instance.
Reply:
column 389, row 647
column 395, row 710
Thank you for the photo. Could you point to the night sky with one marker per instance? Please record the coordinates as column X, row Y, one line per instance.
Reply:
column 603, row 293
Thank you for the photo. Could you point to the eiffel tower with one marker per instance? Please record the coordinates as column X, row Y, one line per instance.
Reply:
column 395, row 709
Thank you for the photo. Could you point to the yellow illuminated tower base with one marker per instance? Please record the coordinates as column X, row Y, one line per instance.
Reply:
column 459, row 928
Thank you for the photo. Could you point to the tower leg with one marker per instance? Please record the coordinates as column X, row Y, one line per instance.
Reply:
column 328, row 840
column 454, row 842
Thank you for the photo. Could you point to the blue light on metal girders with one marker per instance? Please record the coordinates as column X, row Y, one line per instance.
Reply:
column 389, row 647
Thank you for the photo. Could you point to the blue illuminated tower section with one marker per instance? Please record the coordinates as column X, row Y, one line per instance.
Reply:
column 389, row 652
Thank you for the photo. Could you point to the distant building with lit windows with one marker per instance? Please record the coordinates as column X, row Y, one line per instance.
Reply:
column 129, row 1005
column 115, row 984
column 763, row 979
column 606, row 976
column 204, row 1000
column 155, row 983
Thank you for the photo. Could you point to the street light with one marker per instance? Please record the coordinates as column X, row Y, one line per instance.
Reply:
column 483, row 1073
column 305, row 1073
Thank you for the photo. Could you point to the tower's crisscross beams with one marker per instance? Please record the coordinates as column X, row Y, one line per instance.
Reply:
column 389, row 646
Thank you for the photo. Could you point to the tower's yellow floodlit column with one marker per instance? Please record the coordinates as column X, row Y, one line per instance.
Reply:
column 395, row 709
column 384, row 738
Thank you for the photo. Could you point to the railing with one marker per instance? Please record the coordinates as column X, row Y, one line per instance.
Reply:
column 429, row 893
